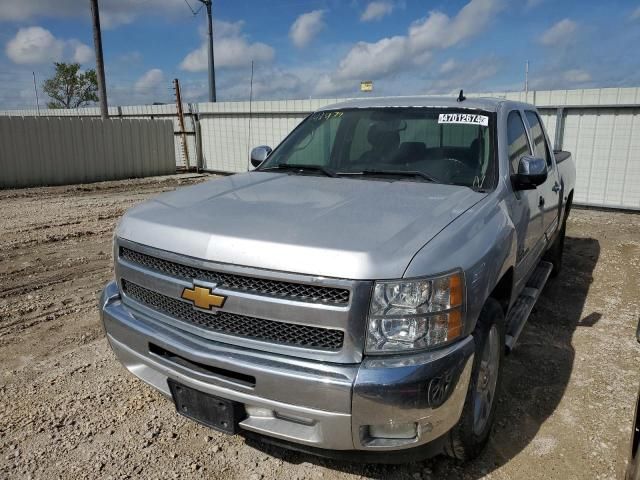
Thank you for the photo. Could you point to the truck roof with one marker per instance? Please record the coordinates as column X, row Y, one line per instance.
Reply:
column 488, row 104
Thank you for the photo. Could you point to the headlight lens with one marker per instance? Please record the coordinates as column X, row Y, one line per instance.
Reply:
column 415, row 314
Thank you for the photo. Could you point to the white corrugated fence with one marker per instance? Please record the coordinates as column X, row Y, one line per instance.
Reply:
column 66, row 150
column 599, row 126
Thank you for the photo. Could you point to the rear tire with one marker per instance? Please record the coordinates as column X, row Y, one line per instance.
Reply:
column 467, row 439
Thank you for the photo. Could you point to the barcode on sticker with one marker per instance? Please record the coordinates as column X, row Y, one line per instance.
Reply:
column 466, row 118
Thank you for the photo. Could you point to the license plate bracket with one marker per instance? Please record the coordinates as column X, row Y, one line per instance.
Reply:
column 214, row 412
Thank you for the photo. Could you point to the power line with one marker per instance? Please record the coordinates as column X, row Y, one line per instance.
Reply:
column 195, row 12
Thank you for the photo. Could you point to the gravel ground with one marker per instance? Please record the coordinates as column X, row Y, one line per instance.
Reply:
column 69, row 410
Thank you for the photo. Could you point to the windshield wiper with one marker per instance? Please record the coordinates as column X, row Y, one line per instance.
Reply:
column 395, row 173
column 300, row 167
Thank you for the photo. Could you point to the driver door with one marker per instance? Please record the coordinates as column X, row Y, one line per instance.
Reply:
column 550, row 189
column 525, row 206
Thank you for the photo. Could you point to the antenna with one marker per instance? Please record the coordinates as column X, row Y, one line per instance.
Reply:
column 250, row 111
column 461, row 97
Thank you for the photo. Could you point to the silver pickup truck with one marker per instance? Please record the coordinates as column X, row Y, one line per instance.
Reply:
column 354, row 295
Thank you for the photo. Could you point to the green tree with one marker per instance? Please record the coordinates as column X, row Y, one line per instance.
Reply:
column 71, row 88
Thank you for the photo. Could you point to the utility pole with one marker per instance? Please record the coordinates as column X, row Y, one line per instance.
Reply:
column 183, row 133
column 526, row 78
column 250, row 113
column 97, row 42
column 35, row 88
column 212, row 67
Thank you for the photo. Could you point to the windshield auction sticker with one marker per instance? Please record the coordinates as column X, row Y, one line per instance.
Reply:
column 464, row 118
column 326, row 115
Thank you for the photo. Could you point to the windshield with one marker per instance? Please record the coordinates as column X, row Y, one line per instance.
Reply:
column 452, row 146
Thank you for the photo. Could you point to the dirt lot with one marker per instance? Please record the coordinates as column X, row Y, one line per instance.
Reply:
column 69, row 410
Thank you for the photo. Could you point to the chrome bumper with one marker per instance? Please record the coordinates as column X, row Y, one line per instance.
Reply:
column 322, row 405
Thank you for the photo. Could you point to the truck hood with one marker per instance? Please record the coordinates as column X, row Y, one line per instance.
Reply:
column 334, row 227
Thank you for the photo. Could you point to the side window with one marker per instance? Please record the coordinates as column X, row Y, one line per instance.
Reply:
column 537, row 135
column 517, row 139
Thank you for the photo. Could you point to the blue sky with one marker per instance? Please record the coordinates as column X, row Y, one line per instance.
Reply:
column 323, row 48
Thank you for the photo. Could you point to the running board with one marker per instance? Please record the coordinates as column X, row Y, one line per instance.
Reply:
column 521, row 309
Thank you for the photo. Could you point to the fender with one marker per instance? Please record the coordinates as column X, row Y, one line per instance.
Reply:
column 482, row 242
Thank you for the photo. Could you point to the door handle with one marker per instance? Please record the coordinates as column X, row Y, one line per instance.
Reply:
column 556, row 187
column 541, row 202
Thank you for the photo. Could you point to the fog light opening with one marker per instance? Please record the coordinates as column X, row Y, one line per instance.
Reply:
column 394, row 431
column 295, row 419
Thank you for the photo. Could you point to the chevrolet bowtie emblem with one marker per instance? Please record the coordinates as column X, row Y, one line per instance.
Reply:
column 203, row 298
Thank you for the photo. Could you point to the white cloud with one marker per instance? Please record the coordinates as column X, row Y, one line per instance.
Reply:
column 110, row 19
column 391, row 55
column 232, row 52
column 370, row 60
column 225, row 29
column 448, row 66
column 559, row 75
column 468, row 75
column 306, row 27
column 276, row 81
column 231, row 49
column 34, row 45
column 268, row 83
column 440, row 31
column 576, row 76
column 82, row 53
column 635, row 15
column 560, row 33
column 112, row 12
column 377, row 10
column 150, row 80
column 327, row 85
column 37, row 45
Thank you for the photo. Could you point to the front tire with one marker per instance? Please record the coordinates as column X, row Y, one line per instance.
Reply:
column 554, row 254
column 471, row 433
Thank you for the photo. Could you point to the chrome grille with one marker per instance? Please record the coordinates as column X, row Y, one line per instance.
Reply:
column 259, row 286
column 239, row 325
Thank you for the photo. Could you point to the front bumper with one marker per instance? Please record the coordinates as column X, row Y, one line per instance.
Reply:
column 305, row 402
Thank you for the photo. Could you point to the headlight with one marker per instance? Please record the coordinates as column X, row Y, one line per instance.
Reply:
column 415, row 314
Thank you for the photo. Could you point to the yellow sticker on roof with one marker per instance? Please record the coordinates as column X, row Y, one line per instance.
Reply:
column 464, row 118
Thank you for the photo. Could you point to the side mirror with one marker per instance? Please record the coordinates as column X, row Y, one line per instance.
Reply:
column 260, row 154
column 532, row 171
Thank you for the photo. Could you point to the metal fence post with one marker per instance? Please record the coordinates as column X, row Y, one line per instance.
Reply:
column 557, row 144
